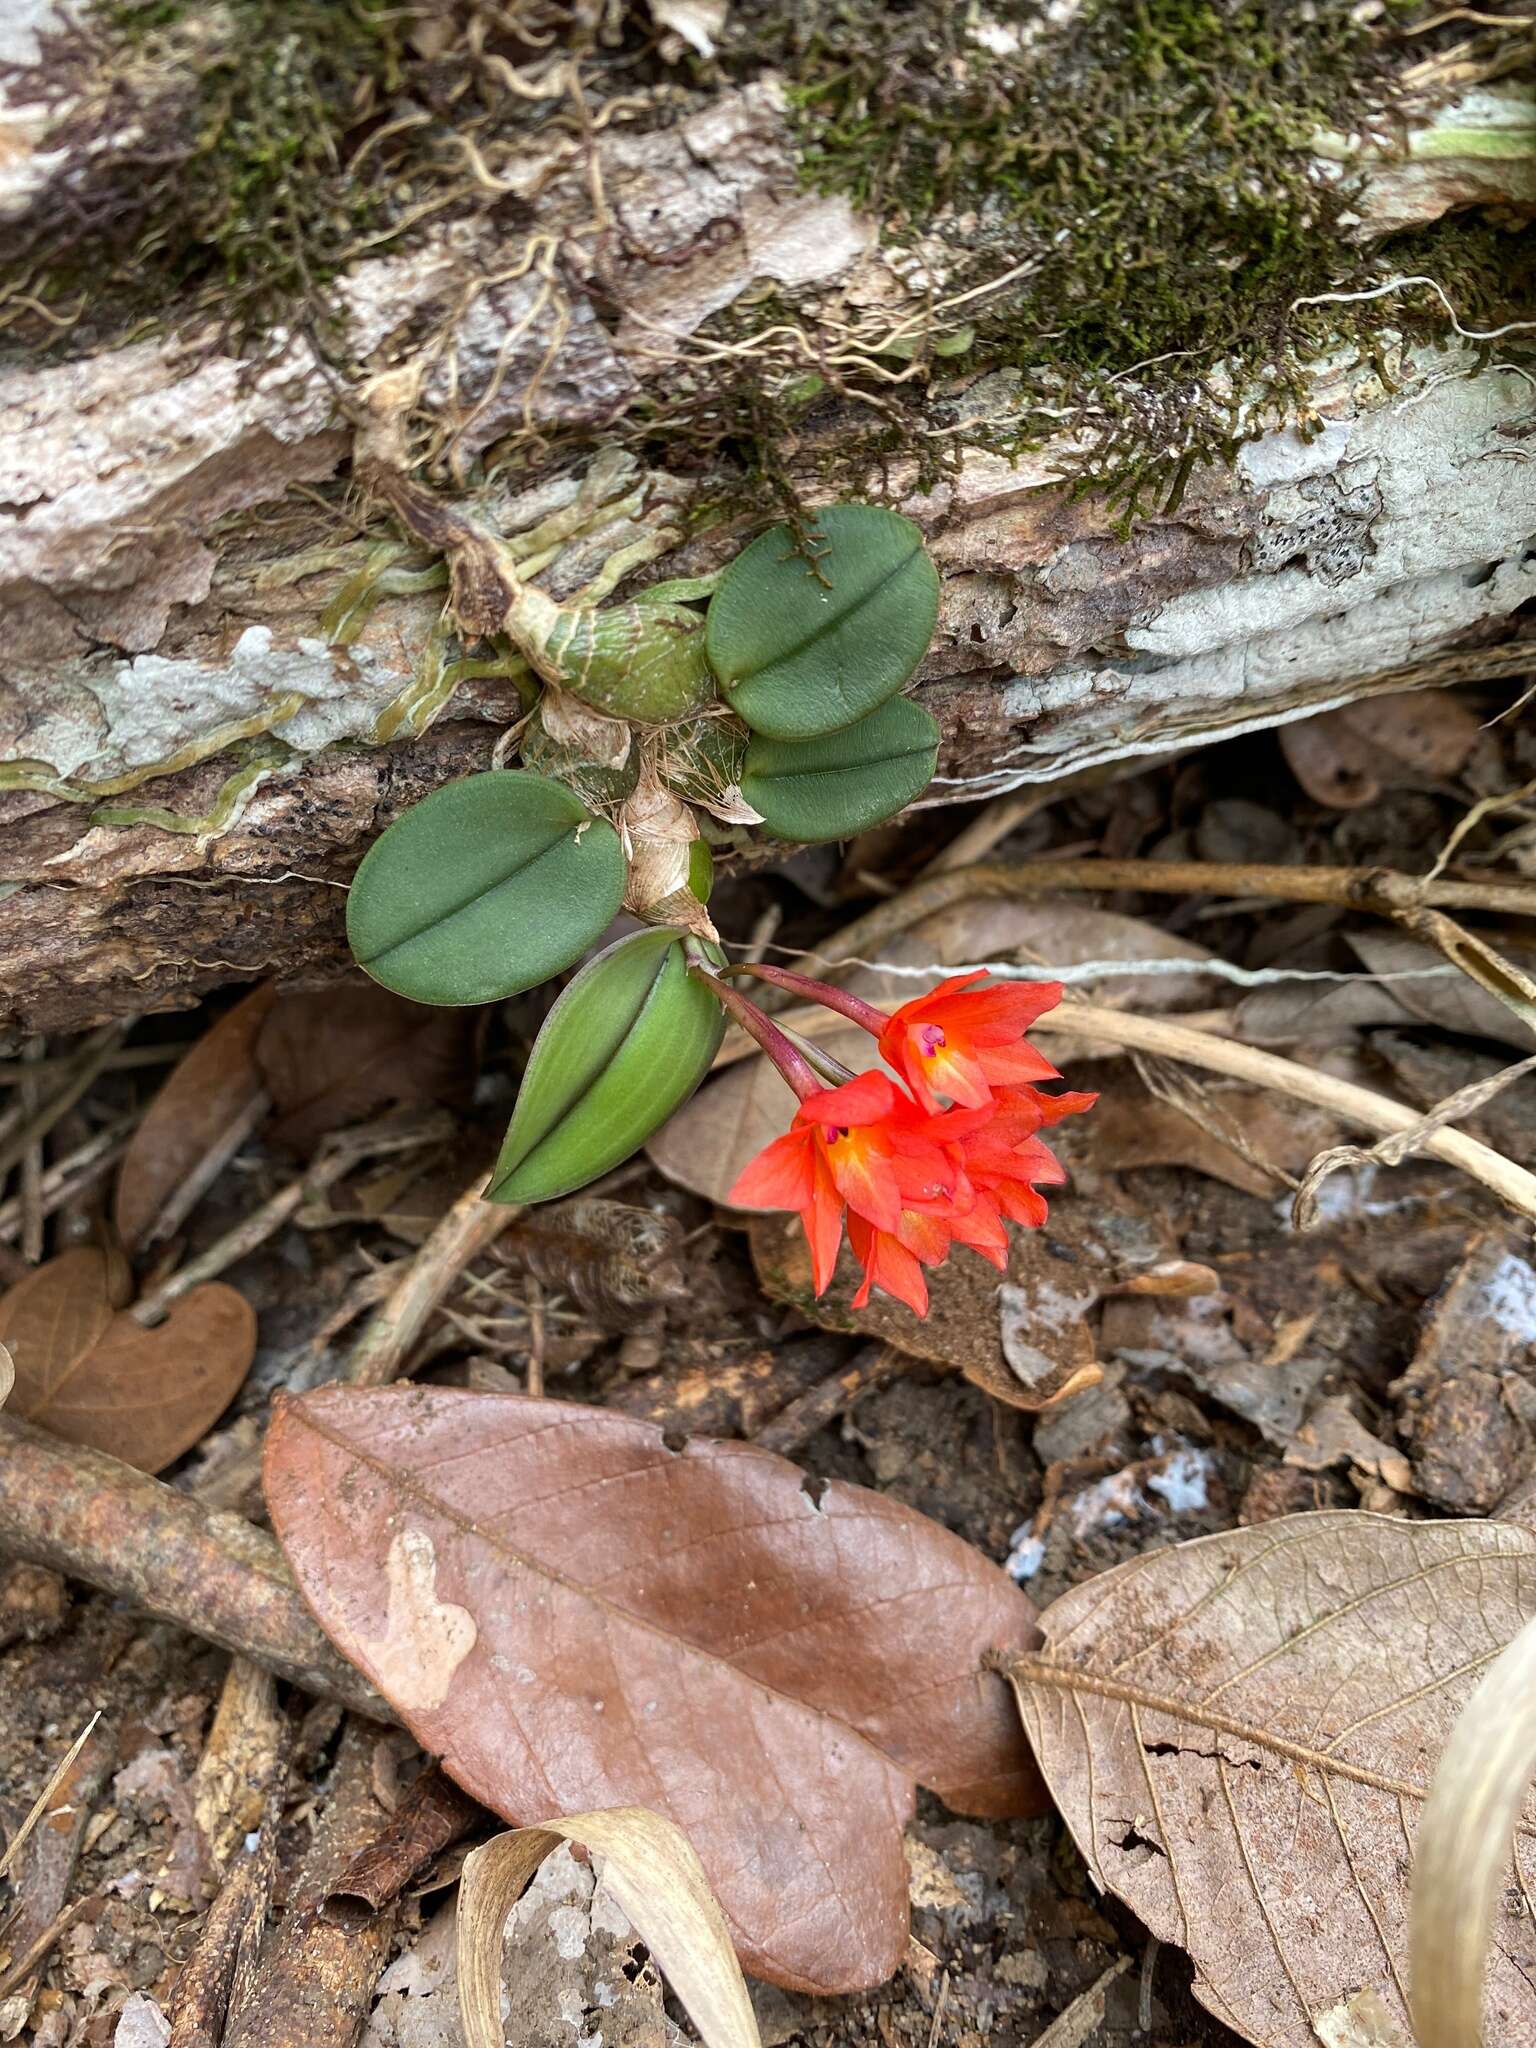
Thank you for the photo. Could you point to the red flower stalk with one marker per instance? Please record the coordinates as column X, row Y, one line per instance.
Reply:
column 957, row 1040
column 913, row 1177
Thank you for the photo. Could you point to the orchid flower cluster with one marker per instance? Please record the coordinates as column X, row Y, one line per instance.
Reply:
column 937, row 1156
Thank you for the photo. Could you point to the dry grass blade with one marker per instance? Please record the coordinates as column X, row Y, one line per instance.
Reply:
column 1393, row 1151
column 1462, row 1848
column 39, row 1806
column 650, row 1868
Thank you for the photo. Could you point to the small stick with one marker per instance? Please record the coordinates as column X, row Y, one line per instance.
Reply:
column 184, row 1198
column 369, row 1140
column 382, row 1352
column 14, row 1072
column 313, row 1984
column 87, row 1064
column 71, row 1175
column 219, row 1971
column 1382, row 890
column 1511, row 1183
column 44, row 1799
column 977, row 839
column 36, row 1951
column 793, row 1427
column 31, row 1197
column 85, row 1514
column 1071, row 2028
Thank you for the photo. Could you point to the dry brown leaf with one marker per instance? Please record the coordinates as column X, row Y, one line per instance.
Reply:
column 1025, row 1339
column 1240, row 1732
column 1346, row 758
column 1456, row 1003
column 573, row 1615
column 205, row 1095
column 651, row 1870
column 1131, row 1127
column 334, row 1056
column 7, row 1374
column 53, row 1315
column 96, row 1378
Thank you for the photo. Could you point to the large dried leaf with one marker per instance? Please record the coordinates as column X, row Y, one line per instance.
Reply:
column 206, row 1095
column 574, row 1615
column 1241, row 1732
column 337, row 1055
column 146, row 1395
column 651, row 1871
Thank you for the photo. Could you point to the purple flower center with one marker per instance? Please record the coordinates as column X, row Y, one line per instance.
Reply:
column 929, row 1039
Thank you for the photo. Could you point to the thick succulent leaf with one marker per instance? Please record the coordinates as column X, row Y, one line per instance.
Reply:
column 626, row 1045
column 574, row 1615
column 489, row 885
column 844, row 782
column 803, row 647
column 1240, row 1733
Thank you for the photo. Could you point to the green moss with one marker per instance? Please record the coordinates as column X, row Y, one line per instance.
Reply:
column 238, row 196
column 1139, row 181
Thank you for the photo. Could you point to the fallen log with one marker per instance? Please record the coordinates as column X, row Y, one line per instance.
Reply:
column 218, row 670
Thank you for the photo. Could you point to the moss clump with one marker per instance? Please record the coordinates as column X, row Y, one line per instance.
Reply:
column 1133, row 188
column 207, row 165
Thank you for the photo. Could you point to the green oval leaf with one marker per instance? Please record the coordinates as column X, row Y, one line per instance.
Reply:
column 626, row 1045
column 488, row 886
column 846, row 781
column 805, row 647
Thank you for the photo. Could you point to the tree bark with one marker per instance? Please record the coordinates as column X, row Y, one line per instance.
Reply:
column 194, row 753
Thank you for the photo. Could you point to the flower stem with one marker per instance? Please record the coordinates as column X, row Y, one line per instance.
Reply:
column 830, row 998
column 785, row 1053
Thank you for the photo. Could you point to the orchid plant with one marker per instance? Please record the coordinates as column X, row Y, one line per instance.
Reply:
column 660, row 728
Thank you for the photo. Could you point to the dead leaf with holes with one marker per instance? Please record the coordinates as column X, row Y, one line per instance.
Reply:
column 96, row 1377
column 574, row 1616
column 1241, row 1731
column 210, row 1096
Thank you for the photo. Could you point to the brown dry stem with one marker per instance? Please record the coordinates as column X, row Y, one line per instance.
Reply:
column 85, row 1514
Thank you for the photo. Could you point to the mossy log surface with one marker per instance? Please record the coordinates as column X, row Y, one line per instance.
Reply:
column 1196, row 334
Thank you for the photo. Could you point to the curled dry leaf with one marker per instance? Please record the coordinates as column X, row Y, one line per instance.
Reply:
column 1241, row 1733
column 652, row 1872
column 571, row 1615
column 1026, row 1341
column 206, row 1095
column 7, row 1374
column 97, row 1378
